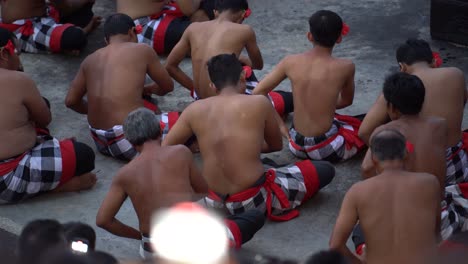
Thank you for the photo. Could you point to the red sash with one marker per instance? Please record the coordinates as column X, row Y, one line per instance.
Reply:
column 160, row 33
column 8, row 167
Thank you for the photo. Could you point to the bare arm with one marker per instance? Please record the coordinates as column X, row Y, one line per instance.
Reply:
column 74, row 99
column 367, row 166
column 38, row 111
column 347, row 219
column 175, row 58
column 197, row 181
column 272, row 80
column 273, row 140
column 188, row 7
column 253, row 50
column 110, row 207
column 181, row 131
column 346, row 96
column 376, row 116
column 163, row 82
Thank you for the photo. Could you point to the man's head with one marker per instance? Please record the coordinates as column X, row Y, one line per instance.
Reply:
column 388, row 145
column 76, row 231
column 141, row 126
column 120, row 24
column 226, row 70
column 413, row 51
column 9, row 52
column 237, row 9
column 37, row 237
column 325, row 28
column 404, row 94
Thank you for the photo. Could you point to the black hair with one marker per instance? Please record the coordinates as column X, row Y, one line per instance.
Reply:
column 76, row 231
column 405, row 92
column 101, row 258
column 224, row 70
column 327, row 257
column 232, row 5
column 325, row 27
column 388, row 144
column 60, row 256
column 5, row 36
column 414, row 50
column 117, row 24
column 36, row 237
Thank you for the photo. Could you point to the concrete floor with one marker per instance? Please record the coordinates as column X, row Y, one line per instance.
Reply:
column 377, row 27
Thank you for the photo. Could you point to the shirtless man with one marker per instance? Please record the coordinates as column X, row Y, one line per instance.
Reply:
column 28, row 159
column 49, row 26
column 232, row 130
column 164, row 21
column 399, row 211
column 158, row 178
column 114, row 80
column 445, row 98
column 426, row 136
column 321, row 84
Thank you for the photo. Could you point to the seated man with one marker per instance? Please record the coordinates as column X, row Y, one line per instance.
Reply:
column 164, row 21
column 399, row 211
column 145, row 180
column 232, row 130
column 49, row 26
column 224, row 35
column 33, row 162
column 426, row 136
column 321, row 84
column 445, row 98
column 114, row 80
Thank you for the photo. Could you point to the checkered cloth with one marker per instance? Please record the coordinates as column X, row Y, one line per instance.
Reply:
column 457, row 162
column 454, row 210
column 43, row 168
column 154, row 27
column 283, row 190
column 112, row 142
column 39, row 34
column 340, row 143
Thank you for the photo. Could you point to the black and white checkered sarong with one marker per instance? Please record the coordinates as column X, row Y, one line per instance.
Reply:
column 457, row 165
column 454, row 210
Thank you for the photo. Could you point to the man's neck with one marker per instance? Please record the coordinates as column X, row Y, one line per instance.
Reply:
column 415, row 67
column 117, row 39
column 409, row 117
column 226, row 16
column 150, row 145
column 390, row 165
column 321, row 50
column 229, row 90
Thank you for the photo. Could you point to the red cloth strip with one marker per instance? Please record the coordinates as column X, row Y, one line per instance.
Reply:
column 67, row 150
column 56, row 37
column 311, row 179
column 463, row 147
column 360, row 249
column 107, row 143
column 278, row 102
column 8, row 167
column 236, row 233
column 150, row 106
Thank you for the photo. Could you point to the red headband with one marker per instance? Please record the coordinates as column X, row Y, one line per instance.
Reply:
column 345, row 29
column 248, row 12
column 248, row 71
column 437, row 59
column 138, row 29
column 10, row 47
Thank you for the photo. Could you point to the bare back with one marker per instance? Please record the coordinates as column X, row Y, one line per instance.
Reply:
column 230, row 131
column 208, row 39
column 428, row 135
column 139, row 8
column 157, row 179
column 445, row 97
column 13, row 10
column 115, row 77
column 17, row 133
column 316, row 86
column 397, row 212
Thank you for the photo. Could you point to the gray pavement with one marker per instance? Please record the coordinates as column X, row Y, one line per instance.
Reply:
column 377, row 27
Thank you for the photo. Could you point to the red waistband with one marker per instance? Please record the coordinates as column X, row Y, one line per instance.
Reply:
column 272, row 188
column 464, row 146
column 160, row 33
column 9, row 166
column 106, row 143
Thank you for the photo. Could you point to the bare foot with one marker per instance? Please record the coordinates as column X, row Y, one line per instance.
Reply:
column 95, row 22
column 79, row 183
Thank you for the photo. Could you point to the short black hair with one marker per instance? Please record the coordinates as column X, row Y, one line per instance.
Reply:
column 232, row 5
column 327, row 257
column 117, row 24
column 37, row 237
column 388, row 144
column 76, row 230
column 405, row 92
column 414, row 50
column 224, row 70
column 5, row 36
column 325, row 27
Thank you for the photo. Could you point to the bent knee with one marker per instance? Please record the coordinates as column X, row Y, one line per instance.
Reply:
column 73, row 38
column 325, row 172
column 85, row 158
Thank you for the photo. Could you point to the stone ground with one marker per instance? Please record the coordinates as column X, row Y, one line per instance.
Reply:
column 377, row 27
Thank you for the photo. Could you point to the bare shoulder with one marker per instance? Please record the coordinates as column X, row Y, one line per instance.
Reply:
column 19, row 79
column 438, row 125
column 358, row 189
column 259, row 100
column 179, row 152
column 428, row 180
column 125, row 173
column 453, row 71
column 346, row 64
